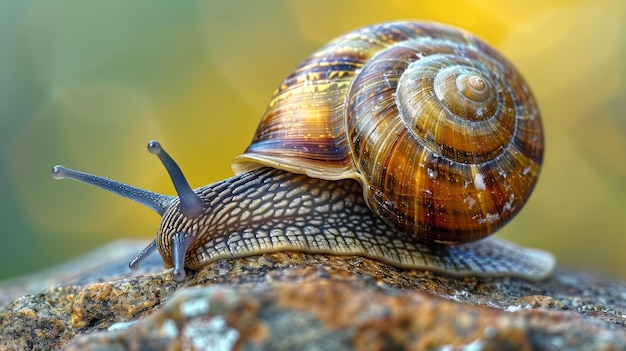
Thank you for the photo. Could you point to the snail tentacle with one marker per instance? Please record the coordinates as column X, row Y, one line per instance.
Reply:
column 149, row 250
column 180, row 241
column 190, row 203
column 155, row 201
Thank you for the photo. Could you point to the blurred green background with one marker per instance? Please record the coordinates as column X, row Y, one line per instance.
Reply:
column 87, row 83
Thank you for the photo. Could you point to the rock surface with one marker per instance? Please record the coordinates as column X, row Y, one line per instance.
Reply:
column 288, row 301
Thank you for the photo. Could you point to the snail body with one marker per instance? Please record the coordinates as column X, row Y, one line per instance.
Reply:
column 405, row 142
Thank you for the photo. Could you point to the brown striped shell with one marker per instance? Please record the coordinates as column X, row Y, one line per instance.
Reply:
column 440, row 129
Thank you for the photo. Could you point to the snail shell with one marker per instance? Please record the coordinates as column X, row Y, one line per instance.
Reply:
column 440, row 132
column 440, row 129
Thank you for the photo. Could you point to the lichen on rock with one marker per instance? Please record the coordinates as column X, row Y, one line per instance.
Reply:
column 292, row 300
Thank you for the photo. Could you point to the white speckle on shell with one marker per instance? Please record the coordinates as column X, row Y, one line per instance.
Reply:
column 470, row 201
column 480, row 112
column 432, row 174
column 479, row 182
column 508, row 206
column 491, row 218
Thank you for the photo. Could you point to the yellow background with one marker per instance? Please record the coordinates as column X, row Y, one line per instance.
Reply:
column 87, row 83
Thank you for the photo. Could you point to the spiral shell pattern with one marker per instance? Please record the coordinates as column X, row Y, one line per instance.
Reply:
column 440, row 129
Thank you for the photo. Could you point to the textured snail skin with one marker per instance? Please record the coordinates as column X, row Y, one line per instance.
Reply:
column 268, row 210
column 404, row 142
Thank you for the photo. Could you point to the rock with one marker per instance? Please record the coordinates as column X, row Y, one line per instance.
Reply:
column 286, row 301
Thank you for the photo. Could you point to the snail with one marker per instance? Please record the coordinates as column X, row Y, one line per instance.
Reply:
column 405, row 142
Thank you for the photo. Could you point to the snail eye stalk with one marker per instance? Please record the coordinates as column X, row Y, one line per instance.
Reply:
column 190, row 203
column 155, row 201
